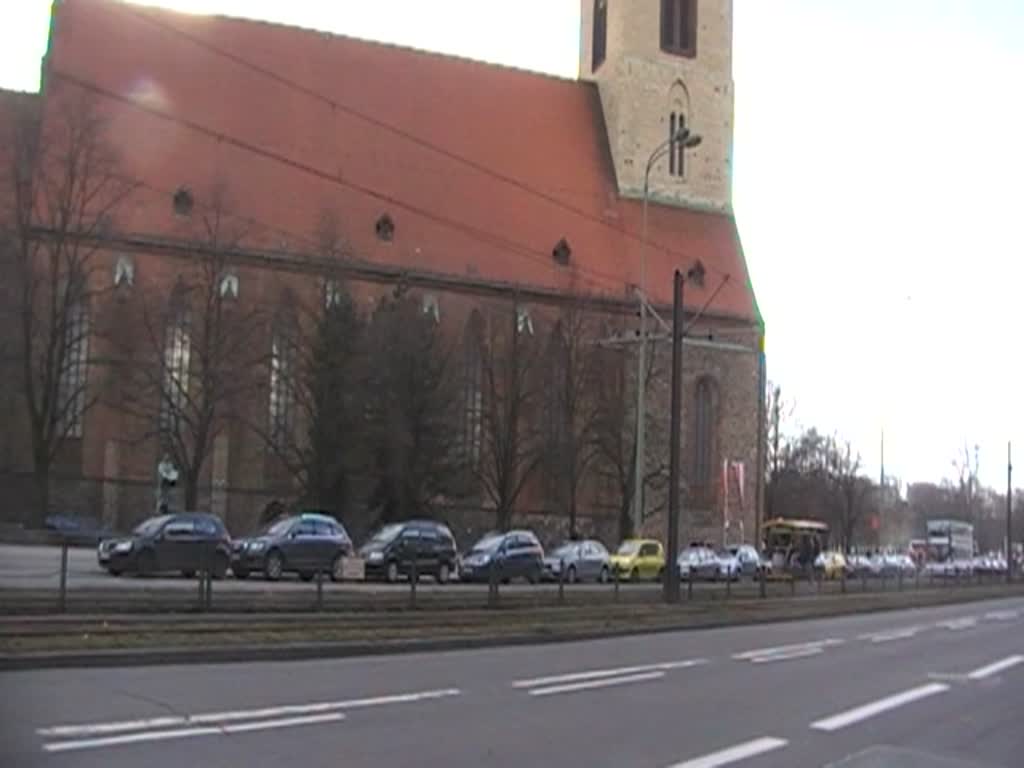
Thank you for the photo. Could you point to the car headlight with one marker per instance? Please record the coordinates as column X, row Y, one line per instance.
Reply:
column 256, row 546
column 123, row 546
column 375, row 557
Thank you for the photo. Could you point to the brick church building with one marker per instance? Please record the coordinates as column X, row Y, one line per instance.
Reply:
column 483, row 191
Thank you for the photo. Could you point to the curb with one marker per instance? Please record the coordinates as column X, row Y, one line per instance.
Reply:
column 341, row 650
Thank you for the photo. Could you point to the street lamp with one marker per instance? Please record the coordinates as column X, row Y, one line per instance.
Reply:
column 688, row 140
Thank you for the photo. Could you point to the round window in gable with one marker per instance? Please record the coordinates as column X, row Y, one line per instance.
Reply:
column 385, row 228
column 561, row 253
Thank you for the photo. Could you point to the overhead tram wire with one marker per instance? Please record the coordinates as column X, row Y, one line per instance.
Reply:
column 510, row 246
column 404, row 134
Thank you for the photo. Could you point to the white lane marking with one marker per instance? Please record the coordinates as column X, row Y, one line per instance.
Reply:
column 592, row 674
column 604, row 682
column 1002, row 615
column 97, row 729
column 734, row 754
column 966, row 622
column 784, row 649
column 995, row 668
column 799, row 654
column 894, row 634
column 855, row 715
column 185, row 733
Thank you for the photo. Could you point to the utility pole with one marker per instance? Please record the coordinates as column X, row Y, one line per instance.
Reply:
column 672, row 540
column 1009, row 514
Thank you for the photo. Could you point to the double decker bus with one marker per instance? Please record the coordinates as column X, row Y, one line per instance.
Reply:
column 950, row 540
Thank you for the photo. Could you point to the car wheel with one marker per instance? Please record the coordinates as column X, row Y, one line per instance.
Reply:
column 188, row 574
column 220, row 566
column 603, row 578
column 634, row 575
column 114, row 571
column 443, row 573
column 240, row 573
column 391, row 573
column 337, row 568
column 147, row 563
column 570, row 574
column 274, row 566
column 533, row 578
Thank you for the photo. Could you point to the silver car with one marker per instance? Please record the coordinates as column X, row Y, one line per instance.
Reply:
column 585, row 560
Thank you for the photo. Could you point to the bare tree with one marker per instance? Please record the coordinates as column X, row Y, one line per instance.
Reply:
column 571, row 445
column 411, row 404
column 61, row 192
column 615, row 434
column 843, row 466
column 197, row 358
column 777, row 412
column 511, row 441
column 968, row 489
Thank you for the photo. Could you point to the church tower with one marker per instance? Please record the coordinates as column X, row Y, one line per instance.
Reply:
column 658, row 65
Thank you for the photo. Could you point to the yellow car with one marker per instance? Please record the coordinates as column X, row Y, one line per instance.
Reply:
column 639, row 559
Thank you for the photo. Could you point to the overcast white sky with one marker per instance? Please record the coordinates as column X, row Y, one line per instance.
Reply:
column 879, row 156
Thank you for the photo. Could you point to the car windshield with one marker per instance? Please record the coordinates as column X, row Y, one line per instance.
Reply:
column 276, row 527
column 150, row 526
column 386, row 534
column 628, row 548
column 488, row 543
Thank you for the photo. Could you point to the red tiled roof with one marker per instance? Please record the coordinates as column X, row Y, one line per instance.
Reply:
column 545, row 132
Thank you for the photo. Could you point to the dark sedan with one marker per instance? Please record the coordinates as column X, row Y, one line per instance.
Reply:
column 186, row 542
column 516, row 554
column 305, row 544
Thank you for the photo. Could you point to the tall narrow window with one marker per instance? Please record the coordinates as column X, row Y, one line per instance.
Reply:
column 73, row 370
column 282, row 382
column 600, row 42
column 678, row 147
column 176, row 362
column 471, row 426
column 679, row 27
column 672, row 148
column 704, row 439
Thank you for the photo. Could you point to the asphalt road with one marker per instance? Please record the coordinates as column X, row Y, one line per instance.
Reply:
column 879, row 689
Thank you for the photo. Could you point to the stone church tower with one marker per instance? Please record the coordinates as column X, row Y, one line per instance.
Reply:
column 659, row 64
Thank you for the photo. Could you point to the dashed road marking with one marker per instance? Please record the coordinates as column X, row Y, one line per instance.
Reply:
column 185, row 733
column 964, row 622
column 220, row 718
column 1002, row 615
column 592, row 674
column 888, row 635
column 733, row 754
column 604, row 682
column 995, row 668
column 783, row 652
column 865, row 711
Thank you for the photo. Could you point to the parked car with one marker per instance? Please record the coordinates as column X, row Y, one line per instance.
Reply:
column 392, row 550
column 183, row 542
column 738, row 562
column 302, row 544
column 513, row 555
column 586, row 560
column 638, row 559
column 698, row 563
column 895, row 564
